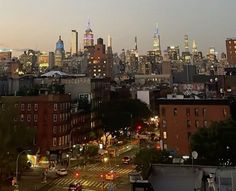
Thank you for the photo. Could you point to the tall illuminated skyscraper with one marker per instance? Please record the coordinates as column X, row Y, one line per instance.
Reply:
column 74, row 42
column 157, row 41
column 194, row 47
column 186, row 45
column 88, row 37
column 59, row 53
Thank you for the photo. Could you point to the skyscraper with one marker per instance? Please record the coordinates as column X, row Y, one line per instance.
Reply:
column 186, row 45
column 74, row 42
column 59, row 53
column 156, row 41
column 194, row 47
column 88, row 37
column 109, row 41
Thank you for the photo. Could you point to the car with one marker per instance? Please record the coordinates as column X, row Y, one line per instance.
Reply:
column 111, row 175
column 62, row 172
column 75, row 186
column 126, row 160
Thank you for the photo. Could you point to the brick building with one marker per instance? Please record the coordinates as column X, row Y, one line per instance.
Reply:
column 180, row 118
column 231, row 50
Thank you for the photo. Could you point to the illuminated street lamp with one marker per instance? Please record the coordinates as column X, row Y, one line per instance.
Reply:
column 17, row 162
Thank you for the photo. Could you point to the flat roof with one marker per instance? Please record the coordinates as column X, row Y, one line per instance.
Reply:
column 190, row 101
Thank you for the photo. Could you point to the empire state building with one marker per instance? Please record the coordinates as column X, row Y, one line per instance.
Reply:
column 88, row 37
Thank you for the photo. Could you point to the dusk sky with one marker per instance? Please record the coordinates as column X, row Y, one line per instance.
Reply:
column 36, row 24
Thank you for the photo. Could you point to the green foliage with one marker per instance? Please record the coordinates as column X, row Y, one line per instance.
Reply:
column 216, row 145
column 145, row 157
column 118, row 114
column 25, row 91
column 91, row 150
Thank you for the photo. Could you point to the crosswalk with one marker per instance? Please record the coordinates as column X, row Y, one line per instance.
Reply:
column 93, row 184
column 99, row 168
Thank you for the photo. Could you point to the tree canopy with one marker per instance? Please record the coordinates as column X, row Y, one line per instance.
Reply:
column 216, row 145
column 118, row 114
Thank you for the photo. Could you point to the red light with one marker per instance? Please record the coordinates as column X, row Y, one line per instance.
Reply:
column 101, row 175
column 77, row 174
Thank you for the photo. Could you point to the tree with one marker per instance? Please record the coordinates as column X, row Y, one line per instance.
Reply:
column 120, row 114
column 216, row 145
column 147, row 156
column 14, row 135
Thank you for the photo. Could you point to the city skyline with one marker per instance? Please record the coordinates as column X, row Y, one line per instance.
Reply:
column 37, row 25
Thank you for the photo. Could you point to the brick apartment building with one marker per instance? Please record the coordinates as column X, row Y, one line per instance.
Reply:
column 180, row 118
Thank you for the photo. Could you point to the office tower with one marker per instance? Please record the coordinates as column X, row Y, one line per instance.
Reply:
column 157, row 42
column 59, row 53
column 173, row 52
column 109, row 41
column 136, row 43
column 51, row 59
column 88, row 37
column 194, row 47
column 74, row 42
column 186, row 46
column 231, row 50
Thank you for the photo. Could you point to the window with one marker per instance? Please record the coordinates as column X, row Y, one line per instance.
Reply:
column 205, row 124
column 54, row 141
column 175, row 112
column 29, row 107
column 54, row 117
column 35, row 107
column 164, row 135
column 28, row 117
column 35, row 117
column 204, row 112
column 22, row 107
column 196, row 111
column 59, row 143
column 22, row 117
column 54, row 130
column 197, row 124
column 188, row 123
column 224, row 112
column 189, row 135
column 163, row 111
column 55, row 106
column 165, row 146
column 164, row 123
column 187, row 111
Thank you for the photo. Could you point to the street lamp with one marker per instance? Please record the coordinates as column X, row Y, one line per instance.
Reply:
column 17, row 161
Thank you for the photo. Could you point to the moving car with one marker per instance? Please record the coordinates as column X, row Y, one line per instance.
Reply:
column 126, row 160
column 62, row 172
column 111, row 175
column 75, row 186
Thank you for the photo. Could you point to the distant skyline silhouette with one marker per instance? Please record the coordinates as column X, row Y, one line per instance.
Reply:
column 37, row 24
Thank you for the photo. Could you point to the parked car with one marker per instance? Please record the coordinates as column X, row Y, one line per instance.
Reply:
column 75, row 186
column 126, row 160
column 62, row 172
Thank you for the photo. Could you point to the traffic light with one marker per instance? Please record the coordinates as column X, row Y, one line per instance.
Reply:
column 138, row 128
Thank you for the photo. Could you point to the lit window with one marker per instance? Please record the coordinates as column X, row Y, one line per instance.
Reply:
column 22, row 117
column 196, row 111
column 205, row 124
column 204, row 112
column 224, row 112
column 59, row 143
column 197, row 124
column 164, row 135
column 164, row 123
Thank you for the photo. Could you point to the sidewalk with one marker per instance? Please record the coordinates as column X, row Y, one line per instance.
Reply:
column 33, row 180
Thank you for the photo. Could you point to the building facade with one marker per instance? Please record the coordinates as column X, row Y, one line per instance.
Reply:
column 231, row 50
column 180, row 118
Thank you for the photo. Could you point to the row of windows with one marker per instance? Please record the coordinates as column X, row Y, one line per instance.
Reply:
column 78, row 120
column 61, row 106
column 188, row 123
column 29, row 117
column 28, row 107
column 61, row 117
column 60, row 141
column 197, row 112
column 60, row 129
